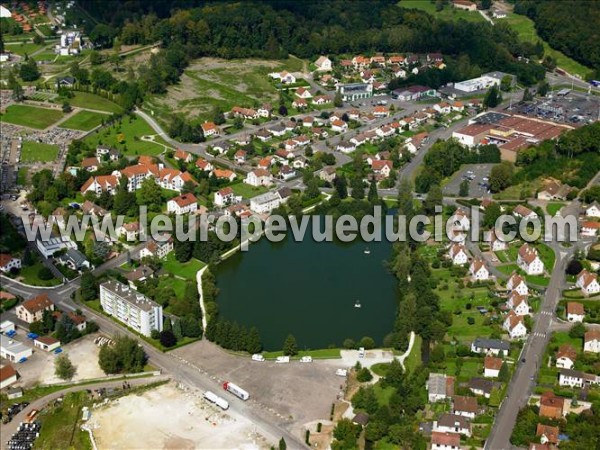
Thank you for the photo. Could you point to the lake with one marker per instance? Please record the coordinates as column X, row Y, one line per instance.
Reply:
column 309, row 289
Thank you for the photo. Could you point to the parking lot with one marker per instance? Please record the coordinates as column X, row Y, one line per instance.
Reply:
column 477, row 175
column 299, row 392
column 572, row 107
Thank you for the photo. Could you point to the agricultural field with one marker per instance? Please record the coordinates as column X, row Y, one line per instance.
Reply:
column 125, row 136
column 31, row 116
column 84, row 121
column 211, row 82
column 93, row 101
column 38, row 152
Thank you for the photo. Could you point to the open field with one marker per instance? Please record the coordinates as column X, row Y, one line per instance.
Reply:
column 169, row 418
column 525, row 28
column 29, row 275
column 211, row 82
column 84, row 120
column 23, row 48
column 247, row 191
column 93, row 101
column 186, row 270
column 38, row 151
column 31, row 116
column 448, row 13
column 126, row 137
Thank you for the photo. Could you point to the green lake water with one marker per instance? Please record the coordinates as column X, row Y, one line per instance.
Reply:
column 309, row 289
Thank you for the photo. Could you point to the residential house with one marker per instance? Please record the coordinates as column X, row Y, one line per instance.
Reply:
column 529, row 261
column 591, row 341
column 91, row 164
column 575, row 378
column 265, row 203
column 442, row 107
column 286, row 172
column 244, row 113
column 575, row 312
column 129, row 230
column 491, row 367
column 566, row 356
column 139, row 275
column 515, row 325
column 460, row 220
column 33, row 309
column 482, row 386
column 182, row 155
column 321, row 100
column 327, row 174
column 450, row 423
column 524, row 212
column 8, row 376
column 204, row 165
column 286, row 77
column 346, row 147
column 439, row 387
column 258, row 177
column 221, row 147
column 547, row 434
column 517, row 283
column 113, row 153
column 589, row 228
column 382, row 169
column 299, row 103
column 464, row 4
column 458, row 254
column 303, row 93
column 225, row 197
column 496, row 244
column 210, row 129
column 74, row 259
column 478, row 270
column 265, row 110
column 593, row 210
column 385, row 131
column 553, row 190
column 56, row 243
column 266, row 162
column 100, row 184
column 415, row 142
column 339, row 126
column 490, row 347
column 457, row 106
column 183, row 204
column 588, row 283
column 465, row 406
column 299, row 162
column 224, row 174
column 8, row 262
column 445, row 441
column 518, row 303
column 240, row 156
column 381, row 111
column 159, row 249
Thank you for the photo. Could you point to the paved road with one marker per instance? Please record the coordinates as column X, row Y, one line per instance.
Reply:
column 7, row 430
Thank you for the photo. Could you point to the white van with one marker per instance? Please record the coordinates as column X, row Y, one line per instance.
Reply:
column 258, row 357
column 361, row 352
column 306, row 359
column 282, row 359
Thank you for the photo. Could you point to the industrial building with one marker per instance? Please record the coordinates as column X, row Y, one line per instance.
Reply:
column 13, row 350
column 481, row 83
column 131, row 307
column 355, row 91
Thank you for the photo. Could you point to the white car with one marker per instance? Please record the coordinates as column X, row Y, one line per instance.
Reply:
column 258, row 357
column 306, row 359
column 282, row 359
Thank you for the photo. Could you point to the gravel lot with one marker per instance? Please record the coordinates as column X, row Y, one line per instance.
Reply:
column 475, row 189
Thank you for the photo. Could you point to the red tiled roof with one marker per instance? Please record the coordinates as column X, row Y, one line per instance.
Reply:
column 39, row 303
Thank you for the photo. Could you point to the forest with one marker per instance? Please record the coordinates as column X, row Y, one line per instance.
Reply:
column 569, row 26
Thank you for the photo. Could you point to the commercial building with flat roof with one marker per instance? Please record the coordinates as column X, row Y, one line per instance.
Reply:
column 13, row 350
column 131, row 307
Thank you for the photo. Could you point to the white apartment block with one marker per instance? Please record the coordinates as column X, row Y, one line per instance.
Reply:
column 130, row 307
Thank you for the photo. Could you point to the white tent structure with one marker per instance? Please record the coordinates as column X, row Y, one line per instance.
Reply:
column 4, row 12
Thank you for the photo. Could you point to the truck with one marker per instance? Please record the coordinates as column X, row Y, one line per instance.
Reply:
column 236, row 390
column 282, row 359
column 214, row 398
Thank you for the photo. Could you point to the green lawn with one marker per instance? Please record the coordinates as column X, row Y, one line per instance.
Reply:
column 60, row 424
column 173, row 284
column 325, row 353
column 93, row 101
column 131, row 129
column 553, row 208
column 413, row 360
column 383, row 394
column 448, row 13
column 31, row 116
column 547, row 256
column 247, row 191
column 84, row 120
column 537, row 279
column 507, row 269
column 186, row 270
column 23, row 48
column 38, row 151
column 525, row 28
column 22, row 176
column 30, row 276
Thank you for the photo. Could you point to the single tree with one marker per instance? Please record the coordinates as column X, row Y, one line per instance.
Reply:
column 463, row 190
column 504, row 373
column 64, row 368
column 289, row 346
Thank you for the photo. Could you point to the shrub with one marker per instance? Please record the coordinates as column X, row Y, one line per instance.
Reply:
column 364, row 375
column 470, row 321
column 45, row 274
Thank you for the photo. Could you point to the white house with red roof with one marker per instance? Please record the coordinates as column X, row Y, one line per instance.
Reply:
column 303, row 93
column 478, row 270
column 515, row 325
column 518, row 303
column 524, row 212
column 382, row 168
column 593, row 210
column 566, row 356
column 225, row 197
column 8, row 262
column 589, row 228
column 224, row 174
column 517, row 283
column 445, row 441
column 210, row 129
column 460, row 220
column 575, row 312
column 183, row 204
column 91, row 164
column 491, row 367
column 182, row 155
column 100, row 184
column 529, row 260
column 129, row 230
column 591, row 341
column 259, row 177
column 588, row 283
column 204, row 165
column 323, row 64
column 458, row 254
